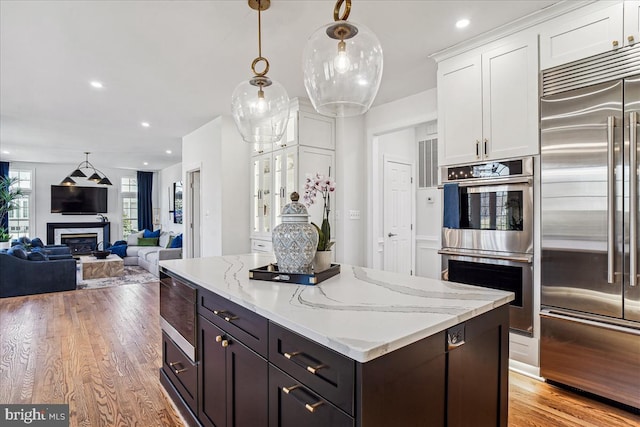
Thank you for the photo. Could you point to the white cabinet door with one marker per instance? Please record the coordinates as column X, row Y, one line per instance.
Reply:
column 510, row 99
column 285, row 162
column 312, row 161
column 460, row 109
column 631, row 22
column 576, row 36
column 262, row 189
column 315, row 130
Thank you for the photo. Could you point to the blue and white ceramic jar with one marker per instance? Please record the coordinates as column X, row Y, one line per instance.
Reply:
column 295, row 240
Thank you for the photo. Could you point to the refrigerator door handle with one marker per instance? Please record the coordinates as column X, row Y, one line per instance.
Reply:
column 633, row 199
column 611, row 201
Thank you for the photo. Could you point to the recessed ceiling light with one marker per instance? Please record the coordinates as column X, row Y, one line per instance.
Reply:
column 145, row 124
column 145, row 163
column 96, row 84
column 168, row 151
column 462, row 23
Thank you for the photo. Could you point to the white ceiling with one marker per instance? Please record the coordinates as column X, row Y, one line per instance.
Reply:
column 175, row 64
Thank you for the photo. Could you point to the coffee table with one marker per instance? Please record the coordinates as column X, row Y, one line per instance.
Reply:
column 94, row 268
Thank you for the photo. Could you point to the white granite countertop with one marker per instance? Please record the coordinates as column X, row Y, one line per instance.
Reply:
column 360, row 313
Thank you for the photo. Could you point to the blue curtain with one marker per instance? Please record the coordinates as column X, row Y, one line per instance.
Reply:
column 4, row 172
column 145, row 207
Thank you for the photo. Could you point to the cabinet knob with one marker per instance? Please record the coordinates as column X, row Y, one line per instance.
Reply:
column 630, row 39
column 615, row 43
column 219, row 338
column 225, row 343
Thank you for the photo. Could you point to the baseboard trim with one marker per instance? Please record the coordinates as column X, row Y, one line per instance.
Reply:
column 525, row 369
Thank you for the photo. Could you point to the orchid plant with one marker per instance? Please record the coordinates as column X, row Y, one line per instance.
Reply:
column 320, row 185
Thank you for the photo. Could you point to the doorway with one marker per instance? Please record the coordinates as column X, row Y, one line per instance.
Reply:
column 397, row 215
column 193, row 217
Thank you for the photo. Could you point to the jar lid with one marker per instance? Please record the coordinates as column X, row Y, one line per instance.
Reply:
column 294, row 208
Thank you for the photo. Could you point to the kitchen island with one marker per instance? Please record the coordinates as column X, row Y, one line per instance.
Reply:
column 364, row 348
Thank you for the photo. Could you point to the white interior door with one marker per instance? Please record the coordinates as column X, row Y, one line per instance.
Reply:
column 398, row 213
column 194, row 225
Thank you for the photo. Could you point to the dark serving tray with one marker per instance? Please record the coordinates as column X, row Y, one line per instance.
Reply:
column 270, row 273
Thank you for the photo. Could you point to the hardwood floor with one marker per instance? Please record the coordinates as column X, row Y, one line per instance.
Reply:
column 100, row 350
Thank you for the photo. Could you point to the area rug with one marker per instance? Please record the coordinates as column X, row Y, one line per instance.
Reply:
column 133, row 275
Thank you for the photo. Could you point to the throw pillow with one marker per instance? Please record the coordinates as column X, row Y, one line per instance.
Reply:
column 165, row 238
column 37, row 256
column 151, row 234
column 148, row 241
column 132, row 239
column 18, row 252
column 176, row 242
column 37, row 243
column 169, row 242
column 120, row 250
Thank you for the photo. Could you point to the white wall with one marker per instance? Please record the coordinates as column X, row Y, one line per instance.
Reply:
column 223, row 159
column 166, row 178
column 351, row 191
column 381, row 123
column 45, row 175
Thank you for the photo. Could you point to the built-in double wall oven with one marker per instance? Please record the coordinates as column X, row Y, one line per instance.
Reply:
column 487, row 234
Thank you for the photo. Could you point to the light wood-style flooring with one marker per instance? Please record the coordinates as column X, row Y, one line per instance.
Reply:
column 100, row 350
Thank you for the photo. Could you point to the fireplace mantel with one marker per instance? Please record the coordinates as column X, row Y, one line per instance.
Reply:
column 53, row 226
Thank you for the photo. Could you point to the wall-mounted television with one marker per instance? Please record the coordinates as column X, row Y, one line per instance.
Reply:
column 74, row 200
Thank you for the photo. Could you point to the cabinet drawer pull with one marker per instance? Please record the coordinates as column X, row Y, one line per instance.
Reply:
column 219, row 338
column 313, row 369
column 219, row 312
column 630, row 39
column 312, row 406
column 230, row 318
column 177, row 371
column 477, row 149
column 225, row 343
column 288, row 390
column 290, row 355
column 615, row 43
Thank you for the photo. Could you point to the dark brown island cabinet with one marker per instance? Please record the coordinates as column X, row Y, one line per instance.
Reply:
column 252, row 372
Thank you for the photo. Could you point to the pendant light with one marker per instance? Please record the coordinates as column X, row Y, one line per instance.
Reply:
column 260, row 106
column 342, row 64
column 77, row 173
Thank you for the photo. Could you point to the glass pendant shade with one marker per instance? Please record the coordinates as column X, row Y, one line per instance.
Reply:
column 342, row 77
column 261, row 113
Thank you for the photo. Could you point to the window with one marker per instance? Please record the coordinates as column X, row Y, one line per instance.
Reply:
column 129, row 191
column 20, row 218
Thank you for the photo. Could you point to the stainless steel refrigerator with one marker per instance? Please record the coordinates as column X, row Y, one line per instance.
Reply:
column 590, row 295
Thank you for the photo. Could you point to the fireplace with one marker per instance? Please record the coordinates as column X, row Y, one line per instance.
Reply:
column 55, row 230
column 80, row 243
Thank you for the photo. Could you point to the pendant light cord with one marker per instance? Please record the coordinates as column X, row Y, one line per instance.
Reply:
column 259, row 29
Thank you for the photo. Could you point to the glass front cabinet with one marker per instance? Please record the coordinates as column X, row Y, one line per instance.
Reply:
column 307, row 147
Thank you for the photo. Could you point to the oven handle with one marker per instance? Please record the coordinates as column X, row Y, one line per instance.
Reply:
column 492, row 181
column 527, row 259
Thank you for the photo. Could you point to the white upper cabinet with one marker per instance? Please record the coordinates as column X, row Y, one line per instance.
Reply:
column 488, row 102
column 308, row 146
column 631, row 22
column 587, row 32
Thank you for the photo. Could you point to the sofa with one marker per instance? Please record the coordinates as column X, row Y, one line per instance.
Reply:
column 147, row 256
column 25, row 274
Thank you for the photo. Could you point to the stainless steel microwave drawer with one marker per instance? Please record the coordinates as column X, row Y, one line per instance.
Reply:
column 327, row 373
column 178, row 306
column 246, row 326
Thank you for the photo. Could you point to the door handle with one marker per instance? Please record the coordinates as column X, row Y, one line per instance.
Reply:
column 633, row 199
column 391, row 234
column 611, row 201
